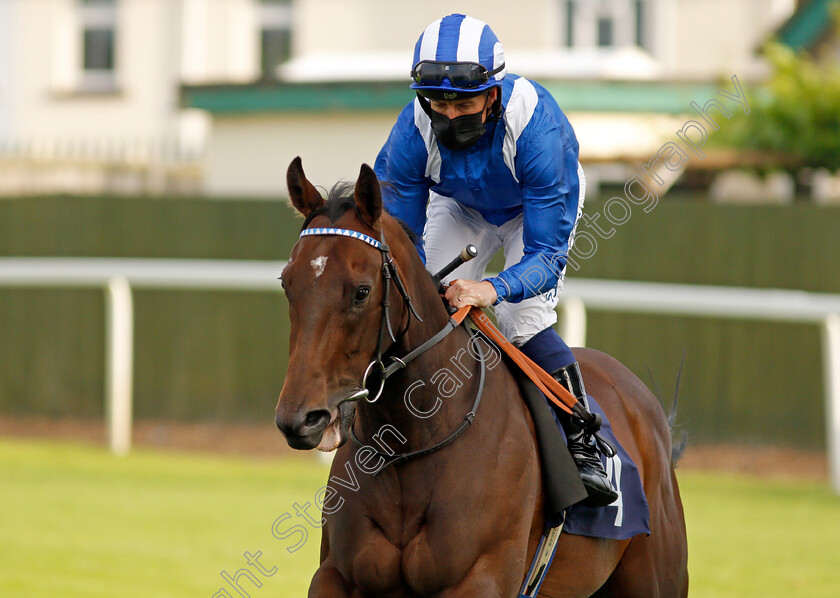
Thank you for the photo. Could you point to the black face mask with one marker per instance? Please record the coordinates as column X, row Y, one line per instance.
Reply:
column 458, row 133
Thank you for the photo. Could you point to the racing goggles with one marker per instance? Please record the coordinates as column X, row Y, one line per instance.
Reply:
column 463, row 75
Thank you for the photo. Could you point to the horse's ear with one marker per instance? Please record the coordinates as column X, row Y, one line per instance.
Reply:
column 303, row 194
column 368, row 195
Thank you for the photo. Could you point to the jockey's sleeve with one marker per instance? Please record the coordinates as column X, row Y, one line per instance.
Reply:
column 548, row 170
column 400, row 166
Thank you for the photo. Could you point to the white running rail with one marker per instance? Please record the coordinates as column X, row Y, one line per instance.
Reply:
column 720, row 302
column 118, row 276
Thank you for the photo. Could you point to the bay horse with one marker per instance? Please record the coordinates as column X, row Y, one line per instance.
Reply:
column 464, row 520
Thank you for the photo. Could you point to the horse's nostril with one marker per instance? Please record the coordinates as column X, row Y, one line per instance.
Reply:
column 317, row 419
column 303, row 425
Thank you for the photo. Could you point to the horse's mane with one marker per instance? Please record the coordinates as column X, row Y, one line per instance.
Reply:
column 340, row 200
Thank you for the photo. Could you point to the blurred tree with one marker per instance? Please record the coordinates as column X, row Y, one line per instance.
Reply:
column 795, row 116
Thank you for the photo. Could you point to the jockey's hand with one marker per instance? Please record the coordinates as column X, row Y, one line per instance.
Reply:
column 469, row 292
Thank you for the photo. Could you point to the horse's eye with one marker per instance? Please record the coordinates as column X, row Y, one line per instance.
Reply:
column 360, row 295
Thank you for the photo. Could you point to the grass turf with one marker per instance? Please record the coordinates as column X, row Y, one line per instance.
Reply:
column 748, row 536
column 78, row 522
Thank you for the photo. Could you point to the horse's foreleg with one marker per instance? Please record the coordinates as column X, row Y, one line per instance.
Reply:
column 484, row 587
column 328, row 583
column 487, row 579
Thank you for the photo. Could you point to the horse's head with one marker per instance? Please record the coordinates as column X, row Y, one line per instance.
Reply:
column 334, row 286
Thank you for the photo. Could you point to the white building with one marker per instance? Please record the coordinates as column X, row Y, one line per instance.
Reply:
column 89, row 89
column 219, row 95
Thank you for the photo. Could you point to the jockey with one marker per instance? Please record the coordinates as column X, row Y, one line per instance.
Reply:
column 485, row 157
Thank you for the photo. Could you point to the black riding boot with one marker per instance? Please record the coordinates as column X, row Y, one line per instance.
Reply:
column 581, row 440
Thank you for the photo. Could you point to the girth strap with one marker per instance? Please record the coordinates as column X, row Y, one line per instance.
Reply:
column 542, row 561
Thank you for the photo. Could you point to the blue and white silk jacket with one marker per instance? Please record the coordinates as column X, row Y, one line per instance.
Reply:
column 525, row 163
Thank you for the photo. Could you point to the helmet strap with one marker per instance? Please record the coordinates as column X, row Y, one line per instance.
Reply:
column 425, row 104
column 496, row 109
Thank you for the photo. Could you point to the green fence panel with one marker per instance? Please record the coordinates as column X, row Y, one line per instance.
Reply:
column 222, row 355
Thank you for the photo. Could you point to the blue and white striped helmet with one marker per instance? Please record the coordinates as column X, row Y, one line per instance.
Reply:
column 457, row 40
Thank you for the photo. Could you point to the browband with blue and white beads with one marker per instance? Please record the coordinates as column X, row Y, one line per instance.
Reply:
column 343, row 232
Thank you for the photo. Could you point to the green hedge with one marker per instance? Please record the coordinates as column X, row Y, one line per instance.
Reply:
column 222, row 355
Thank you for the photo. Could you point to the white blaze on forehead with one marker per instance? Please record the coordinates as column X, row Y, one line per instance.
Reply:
column 318, row 264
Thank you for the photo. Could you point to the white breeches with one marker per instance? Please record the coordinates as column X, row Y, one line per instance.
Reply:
column 450, row 226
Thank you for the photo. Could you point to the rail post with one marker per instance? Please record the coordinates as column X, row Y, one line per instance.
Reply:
column 119, row 356
column 572, row 321
column 831, row 377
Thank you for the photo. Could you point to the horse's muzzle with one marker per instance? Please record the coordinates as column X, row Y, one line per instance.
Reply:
column 304, row 431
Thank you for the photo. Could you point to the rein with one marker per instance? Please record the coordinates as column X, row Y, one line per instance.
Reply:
column 551, row 388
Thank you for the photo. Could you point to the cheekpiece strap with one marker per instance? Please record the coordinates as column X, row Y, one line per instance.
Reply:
column 343, row 232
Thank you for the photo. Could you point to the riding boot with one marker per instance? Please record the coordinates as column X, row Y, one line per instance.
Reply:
column 580, row 434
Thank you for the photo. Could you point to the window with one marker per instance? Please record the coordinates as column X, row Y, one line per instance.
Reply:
column 570, row 23
column 605, row 23
column 605, row 32
column 275, row 21
column 98, row 50
column 639, row 14
column 98, row 35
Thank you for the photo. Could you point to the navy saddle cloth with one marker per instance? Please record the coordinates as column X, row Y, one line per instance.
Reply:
column 629, row 514
column 626, row 517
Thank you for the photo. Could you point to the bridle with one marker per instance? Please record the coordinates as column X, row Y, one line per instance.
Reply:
column 391, row 273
